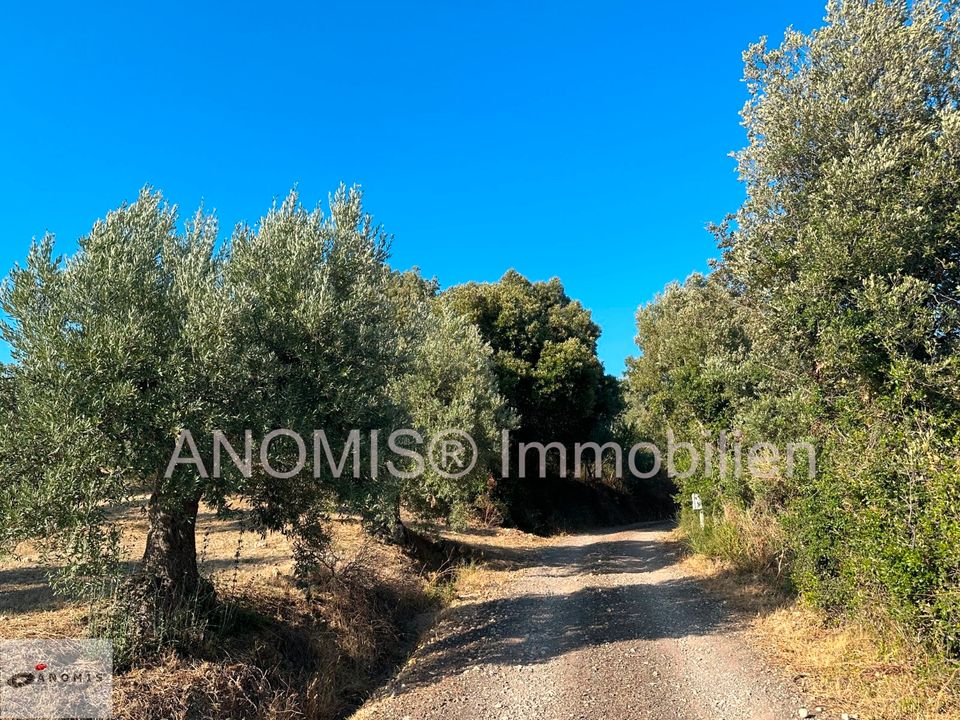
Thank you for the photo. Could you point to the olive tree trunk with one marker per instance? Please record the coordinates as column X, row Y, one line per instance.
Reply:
column 393, row 530
column 162, row 602
column 170, row 558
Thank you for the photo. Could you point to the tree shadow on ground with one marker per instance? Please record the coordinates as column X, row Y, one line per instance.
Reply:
column 614, row 556
column 26, row 589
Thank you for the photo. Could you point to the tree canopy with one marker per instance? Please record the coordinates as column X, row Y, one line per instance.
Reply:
column 545, row 360
column 833, row 313
column 545, row 354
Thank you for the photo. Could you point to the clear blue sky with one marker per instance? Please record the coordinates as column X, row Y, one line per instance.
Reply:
column 583, row 140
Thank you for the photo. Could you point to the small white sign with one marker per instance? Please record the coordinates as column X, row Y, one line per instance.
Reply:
column 696, row 502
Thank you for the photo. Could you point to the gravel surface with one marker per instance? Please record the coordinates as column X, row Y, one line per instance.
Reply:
column 588, row 627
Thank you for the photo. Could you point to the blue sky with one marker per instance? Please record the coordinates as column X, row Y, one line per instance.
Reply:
column 587, row 141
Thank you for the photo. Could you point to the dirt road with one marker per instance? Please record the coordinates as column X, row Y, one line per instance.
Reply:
column 588, row 627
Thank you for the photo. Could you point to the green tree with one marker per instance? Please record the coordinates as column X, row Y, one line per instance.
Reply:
column 147, row 332
column 321, row 340
column 844, row 267
column 545, row 359
column 450, row 385
column 545, row 354
column 698, row 381
column 692, row 342
column 848, row 249
column 114, row 351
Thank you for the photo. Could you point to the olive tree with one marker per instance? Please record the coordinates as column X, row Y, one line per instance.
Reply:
column 321, row 339
column 148, row 332
column 451, row 398
column 114, row 350
column 849, row 251
column 843, row 271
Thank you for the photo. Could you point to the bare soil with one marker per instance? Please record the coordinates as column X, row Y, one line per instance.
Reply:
column 606, row 625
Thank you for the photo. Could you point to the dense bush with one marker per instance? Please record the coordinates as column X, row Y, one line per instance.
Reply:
column 834, row 314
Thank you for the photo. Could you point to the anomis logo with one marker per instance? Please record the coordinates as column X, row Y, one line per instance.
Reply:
column 56, row 678
column 25, row 678
column 40, row 676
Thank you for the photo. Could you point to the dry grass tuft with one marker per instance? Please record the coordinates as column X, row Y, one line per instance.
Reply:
column 751, row 540
column 294, row 651
column 474, row 581
column 176, row 690
column 867, row 670
column 862, row 668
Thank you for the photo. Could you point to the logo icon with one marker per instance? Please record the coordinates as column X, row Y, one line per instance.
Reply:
column 21, row 679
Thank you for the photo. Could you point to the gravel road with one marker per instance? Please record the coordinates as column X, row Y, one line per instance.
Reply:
column 588, row 627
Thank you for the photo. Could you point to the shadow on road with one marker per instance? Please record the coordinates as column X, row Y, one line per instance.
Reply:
column 539, row 626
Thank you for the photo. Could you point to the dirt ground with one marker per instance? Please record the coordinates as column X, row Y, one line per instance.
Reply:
column 228, row 553
column 604, row 625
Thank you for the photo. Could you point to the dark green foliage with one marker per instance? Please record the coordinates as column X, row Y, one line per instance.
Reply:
column 545, row 359
column 545, row 355
column 834, row 315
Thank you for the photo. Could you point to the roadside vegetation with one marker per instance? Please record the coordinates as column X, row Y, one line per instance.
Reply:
column 833, row 318
column 278, row 646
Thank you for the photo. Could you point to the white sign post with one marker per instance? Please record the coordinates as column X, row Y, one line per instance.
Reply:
column 697, row 504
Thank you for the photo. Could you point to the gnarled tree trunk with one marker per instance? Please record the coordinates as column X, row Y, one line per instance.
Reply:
column 170, row 558
column 162, row 601
column 393, row 530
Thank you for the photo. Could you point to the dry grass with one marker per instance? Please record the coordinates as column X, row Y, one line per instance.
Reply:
column 751, row 540
column 286, row 651
column 291, row 654
column 862, row 668
column 476, row 581
column 228, row 554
